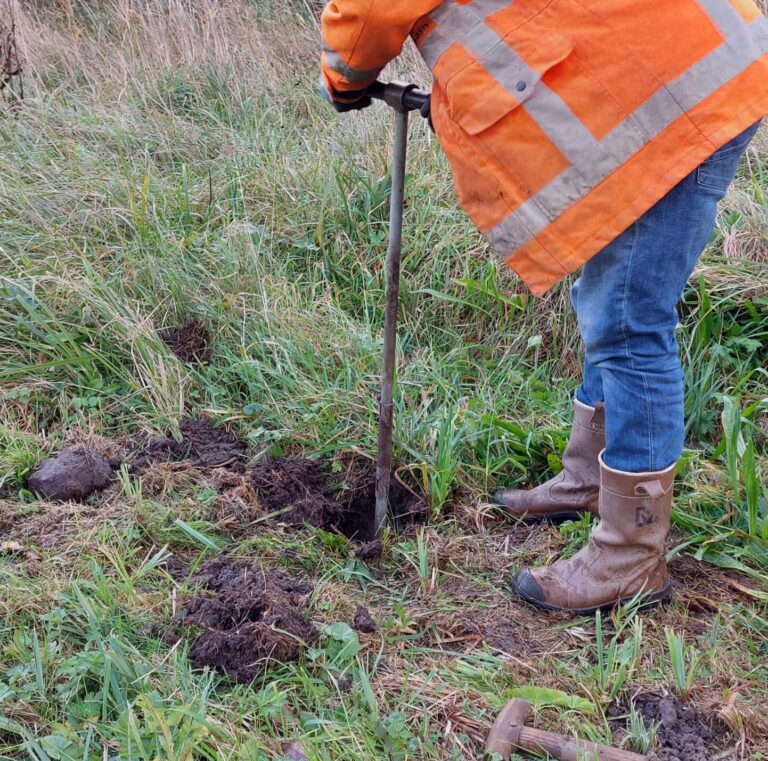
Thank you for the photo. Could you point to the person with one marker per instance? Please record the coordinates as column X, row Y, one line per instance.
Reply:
column 596, row 136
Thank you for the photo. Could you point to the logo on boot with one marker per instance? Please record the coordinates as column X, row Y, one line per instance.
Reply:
column 644, row 516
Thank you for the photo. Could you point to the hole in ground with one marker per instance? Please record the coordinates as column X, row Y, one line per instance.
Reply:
column 304, row 491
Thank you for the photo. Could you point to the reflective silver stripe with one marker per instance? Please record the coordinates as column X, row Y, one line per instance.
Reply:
column 693, row 86
column 560, row 124
column 463, row 24
column 486, row 8
column 437, row 42
column 452, row 22
column 499, row 60
column 352, row 75
column 723, row 15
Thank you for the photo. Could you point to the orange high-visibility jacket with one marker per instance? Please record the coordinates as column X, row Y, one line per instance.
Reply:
column 564, row 120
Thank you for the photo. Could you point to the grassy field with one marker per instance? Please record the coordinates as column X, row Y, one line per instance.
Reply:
column 172, row 162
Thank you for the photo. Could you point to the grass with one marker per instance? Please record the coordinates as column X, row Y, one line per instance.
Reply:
column 172, row 161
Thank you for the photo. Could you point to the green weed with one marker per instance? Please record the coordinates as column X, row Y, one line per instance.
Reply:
column 685, row 662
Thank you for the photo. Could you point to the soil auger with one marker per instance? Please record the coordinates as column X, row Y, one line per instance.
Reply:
column 510, row 734
column 402, row 98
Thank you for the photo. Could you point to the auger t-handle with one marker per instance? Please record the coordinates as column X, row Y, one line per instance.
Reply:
column 399, row 95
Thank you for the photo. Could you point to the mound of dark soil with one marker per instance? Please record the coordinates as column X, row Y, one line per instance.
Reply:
column 342, row 503
column 201, row 445
column 363, row 621
column 684, row 733
column 301, row 488
column 371, row 551
column 73, row 474
column 249, row 616
column 190, row 342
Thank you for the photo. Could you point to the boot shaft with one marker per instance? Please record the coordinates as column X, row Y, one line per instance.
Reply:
column 575, row 489
column 635, row 508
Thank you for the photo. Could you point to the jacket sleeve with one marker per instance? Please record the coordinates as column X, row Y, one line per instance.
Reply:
column 361, row 37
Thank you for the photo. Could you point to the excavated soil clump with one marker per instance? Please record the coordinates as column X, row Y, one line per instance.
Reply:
column 300, row 491
column 683, row 732
column 249, row 616
column 72, row 475
column 201, row 446
column 363, row 621
column 190, row 342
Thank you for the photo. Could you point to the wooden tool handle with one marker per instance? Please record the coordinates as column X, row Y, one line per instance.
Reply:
column 566, row 749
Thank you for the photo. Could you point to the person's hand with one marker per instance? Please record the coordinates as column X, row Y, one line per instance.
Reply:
column 426, row 112
column 352, row 100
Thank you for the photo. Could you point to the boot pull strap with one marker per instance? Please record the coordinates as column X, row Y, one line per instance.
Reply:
column 653, row 489
column 597, row 421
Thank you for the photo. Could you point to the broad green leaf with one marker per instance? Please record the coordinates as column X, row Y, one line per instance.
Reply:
column 344, row 645
column 61, row 748
column 543, row 696
column 340, row 631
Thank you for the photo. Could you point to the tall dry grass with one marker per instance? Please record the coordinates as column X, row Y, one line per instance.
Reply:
column 118, row 44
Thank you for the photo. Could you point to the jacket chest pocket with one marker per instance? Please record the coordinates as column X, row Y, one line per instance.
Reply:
column 486, row 76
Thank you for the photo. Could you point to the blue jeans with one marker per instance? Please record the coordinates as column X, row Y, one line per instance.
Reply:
column 626, row 303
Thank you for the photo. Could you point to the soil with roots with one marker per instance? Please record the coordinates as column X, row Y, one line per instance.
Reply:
column 201, row 445
column 246, row 618
column 298, row 491
column 190, row 342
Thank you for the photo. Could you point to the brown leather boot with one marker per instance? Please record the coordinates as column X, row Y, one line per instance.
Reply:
column 575, row 489
column 625, row 554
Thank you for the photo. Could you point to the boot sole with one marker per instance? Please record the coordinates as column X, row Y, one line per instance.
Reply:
column 554, row 518
column 652, row 600
column 533, row 518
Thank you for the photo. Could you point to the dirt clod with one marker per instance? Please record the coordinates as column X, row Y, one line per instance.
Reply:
column 363, row 621
column 250, row 617
column 370, row 551
column 73, row 474
column 684, row 733
column 201, row 445
column 190, row 342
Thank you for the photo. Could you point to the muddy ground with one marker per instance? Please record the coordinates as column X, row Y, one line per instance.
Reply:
column 244, row 618
column 296, row 491
column 76, row 472
column 299, row 491
column 292, row 491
